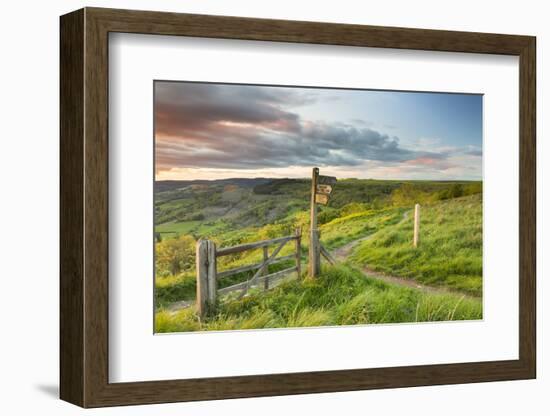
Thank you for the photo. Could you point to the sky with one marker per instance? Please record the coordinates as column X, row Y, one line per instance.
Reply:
column 216, row 131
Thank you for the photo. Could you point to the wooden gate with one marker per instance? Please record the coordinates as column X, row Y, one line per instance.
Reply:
column 207, row 274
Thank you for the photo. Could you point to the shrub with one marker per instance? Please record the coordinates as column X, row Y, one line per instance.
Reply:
column 409, row 194
column 175, row 255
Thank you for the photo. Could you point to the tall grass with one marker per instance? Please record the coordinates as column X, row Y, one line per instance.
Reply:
column 340, row 296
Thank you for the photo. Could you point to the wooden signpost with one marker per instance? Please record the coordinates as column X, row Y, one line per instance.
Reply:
column 324, row 189
column 326, row 180
column 321, row 188
column 321, row 199
column 314, row 263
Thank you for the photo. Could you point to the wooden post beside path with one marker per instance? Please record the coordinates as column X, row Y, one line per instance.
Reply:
column 416, row 235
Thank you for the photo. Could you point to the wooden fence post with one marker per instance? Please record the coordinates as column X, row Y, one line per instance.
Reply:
column 416, row 240
column 314, row 252
column 212, row 271
column 201, row 258
column 298, row 234
column 206, row 276
column 265, row 268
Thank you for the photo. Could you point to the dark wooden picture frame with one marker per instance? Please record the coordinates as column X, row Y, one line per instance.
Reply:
column 84, row 207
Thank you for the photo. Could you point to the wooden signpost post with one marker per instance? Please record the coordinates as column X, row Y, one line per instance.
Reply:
column 314, row 264
column 321, row 188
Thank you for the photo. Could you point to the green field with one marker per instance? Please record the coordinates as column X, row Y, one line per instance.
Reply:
column 368, row 223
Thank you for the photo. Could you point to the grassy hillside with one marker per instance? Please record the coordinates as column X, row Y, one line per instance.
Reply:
column 210, row 208
column 340, row 296
column 347, row 228
column 372, row 218
column 450, row 249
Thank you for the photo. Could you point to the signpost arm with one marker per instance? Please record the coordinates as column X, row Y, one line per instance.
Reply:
column 314, row 264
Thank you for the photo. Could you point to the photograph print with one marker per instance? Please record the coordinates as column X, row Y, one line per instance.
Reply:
column 287, row 206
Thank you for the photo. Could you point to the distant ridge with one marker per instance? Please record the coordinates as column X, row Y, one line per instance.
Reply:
column 161, row 186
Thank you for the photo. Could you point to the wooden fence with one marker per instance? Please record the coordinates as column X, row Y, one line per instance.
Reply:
column 208, row 275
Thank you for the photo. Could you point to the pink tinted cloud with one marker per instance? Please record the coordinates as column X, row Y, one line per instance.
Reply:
column 426, row 161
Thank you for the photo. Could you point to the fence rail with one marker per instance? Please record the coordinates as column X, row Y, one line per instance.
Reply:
column 243, row 285
column 208, row 276
column 250, row 267
column 252, row 246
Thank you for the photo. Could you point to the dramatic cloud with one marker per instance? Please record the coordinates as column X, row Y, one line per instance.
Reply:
column 241, row 127
column 473, row 151
column 184, row 107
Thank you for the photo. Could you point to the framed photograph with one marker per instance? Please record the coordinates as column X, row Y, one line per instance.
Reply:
column 255, row 207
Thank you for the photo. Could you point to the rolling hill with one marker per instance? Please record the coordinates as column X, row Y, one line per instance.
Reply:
column 368, row 220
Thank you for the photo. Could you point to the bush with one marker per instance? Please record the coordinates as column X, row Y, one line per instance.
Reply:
column 274, row 231
column 353, row 208
column 175, row 255
column 473, row 188
column 455, row 191
column 327, row 215
column 409, row 194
